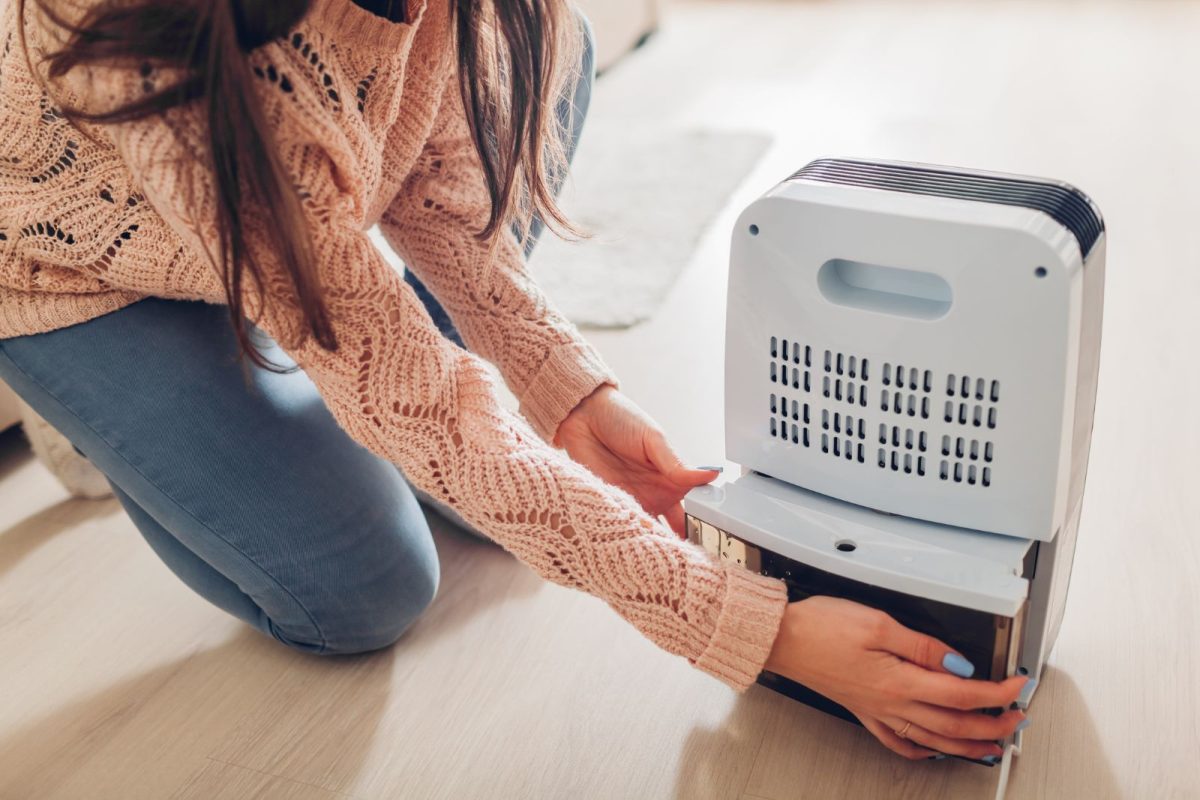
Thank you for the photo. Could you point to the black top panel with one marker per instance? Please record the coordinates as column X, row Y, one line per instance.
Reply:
column 1065, row 204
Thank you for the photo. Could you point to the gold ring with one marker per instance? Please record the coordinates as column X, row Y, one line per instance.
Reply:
column 903, row 732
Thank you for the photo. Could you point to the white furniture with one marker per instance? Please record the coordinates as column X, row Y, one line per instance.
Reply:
column 619, row 25
column 74, row 472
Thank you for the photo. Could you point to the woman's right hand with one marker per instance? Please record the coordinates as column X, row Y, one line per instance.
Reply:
column 890, row 676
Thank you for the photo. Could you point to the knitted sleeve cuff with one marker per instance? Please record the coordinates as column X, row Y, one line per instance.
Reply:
column 570, row 373
column 746, row 628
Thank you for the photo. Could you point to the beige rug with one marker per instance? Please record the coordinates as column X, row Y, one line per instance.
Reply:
column 647, row 196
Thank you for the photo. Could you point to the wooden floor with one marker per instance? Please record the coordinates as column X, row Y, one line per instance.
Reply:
column 117, row 682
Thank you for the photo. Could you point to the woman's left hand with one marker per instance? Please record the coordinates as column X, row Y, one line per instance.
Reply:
column 615, row 439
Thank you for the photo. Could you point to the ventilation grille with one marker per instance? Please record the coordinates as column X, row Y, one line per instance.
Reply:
column 907, row 390
column 789, row 362
column 967, row 461
column 971, row 402
column 790, row 420
column 902, row 449
column 843, row 406
column 843, row 435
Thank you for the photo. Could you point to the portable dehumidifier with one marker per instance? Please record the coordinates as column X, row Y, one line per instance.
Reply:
column 910, row 379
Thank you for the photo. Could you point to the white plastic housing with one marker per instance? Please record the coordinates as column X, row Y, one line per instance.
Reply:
column 980, row 571
column 913, row 354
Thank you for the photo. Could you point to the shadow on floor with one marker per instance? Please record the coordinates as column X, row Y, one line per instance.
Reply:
column 476, row 575
column 144, row 736
column 248, row 701
column 1063, row 755
column 20, row 540
column 773, row 748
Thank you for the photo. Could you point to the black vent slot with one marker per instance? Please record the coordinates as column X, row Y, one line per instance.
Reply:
column 1065, row 204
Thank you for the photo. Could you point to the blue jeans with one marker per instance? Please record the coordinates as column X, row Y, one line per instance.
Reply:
column 239, row 478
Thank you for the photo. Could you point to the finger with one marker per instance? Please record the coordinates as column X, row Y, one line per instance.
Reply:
column 968, row 748
column 924, row 651
column 948, row 691
column 661, row 454
column 664, row 459
column 888, row 738
column 963, row 724
column 689, row 477
column 675, row 518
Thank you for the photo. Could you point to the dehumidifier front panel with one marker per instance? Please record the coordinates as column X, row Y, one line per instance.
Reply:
column 908, row 353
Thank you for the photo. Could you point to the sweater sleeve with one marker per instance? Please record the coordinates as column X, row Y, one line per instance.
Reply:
column 399, row 388
column 405, row 392
column 485, row 286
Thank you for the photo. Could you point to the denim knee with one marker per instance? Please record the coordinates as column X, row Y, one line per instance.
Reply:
column 396, row 600
column 365, row 595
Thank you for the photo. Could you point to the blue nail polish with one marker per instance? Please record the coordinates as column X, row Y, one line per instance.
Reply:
column 1027, row 693
column 957, row 665
column 1021, row 726
column 712, row 469
column 990, row 759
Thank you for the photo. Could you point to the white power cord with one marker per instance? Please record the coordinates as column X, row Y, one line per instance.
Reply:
column 1011, row 751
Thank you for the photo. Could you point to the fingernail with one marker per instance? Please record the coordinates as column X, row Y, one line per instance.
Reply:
column 990, row 759
column 1022, row 725
column 957, row 665
column 712, row 469
column 1026, row 693
column 938, row 757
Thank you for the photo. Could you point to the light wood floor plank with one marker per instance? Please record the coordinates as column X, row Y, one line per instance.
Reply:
column 219, row 781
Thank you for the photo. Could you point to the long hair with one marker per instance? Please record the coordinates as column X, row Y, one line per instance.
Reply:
column 512, row 65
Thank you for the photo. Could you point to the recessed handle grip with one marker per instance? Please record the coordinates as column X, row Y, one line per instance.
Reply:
column 885, row 290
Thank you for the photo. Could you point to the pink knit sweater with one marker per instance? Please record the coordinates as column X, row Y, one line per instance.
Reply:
column 371, row 127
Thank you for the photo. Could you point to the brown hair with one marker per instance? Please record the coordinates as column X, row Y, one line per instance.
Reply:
column 511, row 59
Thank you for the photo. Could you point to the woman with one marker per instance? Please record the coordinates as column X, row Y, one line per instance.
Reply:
column 164, row 158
